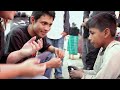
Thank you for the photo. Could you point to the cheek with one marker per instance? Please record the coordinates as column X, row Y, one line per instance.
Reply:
column 99, row 41
column 36, row 27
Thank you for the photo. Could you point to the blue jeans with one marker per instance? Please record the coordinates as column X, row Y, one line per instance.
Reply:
column 85, row 50
column 59, row 43
column 44, row 57
column 35, row 77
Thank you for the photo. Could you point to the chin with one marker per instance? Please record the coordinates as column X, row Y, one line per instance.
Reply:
column 42, row 36
column 96, row 46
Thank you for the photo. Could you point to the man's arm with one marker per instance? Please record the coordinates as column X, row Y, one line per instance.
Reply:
column 15, row 56
column 28, row 68
column 29, row 48
column 53, row 63
column 58, row 52
column 85, row 17
column 86, row 14
column 66, row 22
column 8, row 71
column 51, row 49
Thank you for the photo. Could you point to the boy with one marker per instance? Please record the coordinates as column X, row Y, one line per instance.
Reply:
column 102, row 28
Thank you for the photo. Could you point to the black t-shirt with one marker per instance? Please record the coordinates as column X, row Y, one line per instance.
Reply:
column 74, row 31
column 17, row 37
column 3, row 56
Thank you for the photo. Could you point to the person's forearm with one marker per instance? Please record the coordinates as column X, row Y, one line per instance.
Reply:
column 51, row 49
column 15, row 57
column 48, row 65
column 10, row 71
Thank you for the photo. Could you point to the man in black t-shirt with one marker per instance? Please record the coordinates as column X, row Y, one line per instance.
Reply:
column 40, row 23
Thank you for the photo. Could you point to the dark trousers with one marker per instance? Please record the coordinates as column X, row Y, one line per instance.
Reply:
column 89, row 54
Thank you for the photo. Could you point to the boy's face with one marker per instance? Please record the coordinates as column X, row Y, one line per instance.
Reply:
column 96, row 37
column 43, row 25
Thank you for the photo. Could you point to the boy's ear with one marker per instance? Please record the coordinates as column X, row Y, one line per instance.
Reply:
column 106, row 32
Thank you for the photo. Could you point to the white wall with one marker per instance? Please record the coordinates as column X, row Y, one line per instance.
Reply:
column 77, row 17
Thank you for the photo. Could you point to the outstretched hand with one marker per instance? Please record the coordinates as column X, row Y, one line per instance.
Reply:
column 31, row 47
column 32, row 68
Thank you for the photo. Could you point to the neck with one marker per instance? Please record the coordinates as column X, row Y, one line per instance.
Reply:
column 107, row 42
column 31, row 31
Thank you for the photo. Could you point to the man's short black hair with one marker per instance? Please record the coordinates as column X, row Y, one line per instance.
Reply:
column 102, row 21
column 38, row 14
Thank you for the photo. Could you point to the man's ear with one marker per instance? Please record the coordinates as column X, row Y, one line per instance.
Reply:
column 106, row 32
column 32, row 20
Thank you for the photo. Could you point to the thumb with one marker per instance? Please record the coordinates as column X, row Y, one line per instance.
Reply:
column 32, row 39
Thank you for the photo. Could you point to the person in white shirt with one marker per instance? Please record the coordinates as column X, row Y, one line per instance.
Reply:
column 102, row 28
column 59, row 30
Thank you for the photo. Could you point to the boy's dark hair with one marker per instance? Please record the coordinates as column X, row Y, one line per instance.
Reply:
column 38, row 14
column 102, row 21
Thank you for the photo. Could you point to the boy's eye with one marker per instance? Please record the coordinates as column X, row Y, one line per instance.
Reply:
column 44, row 23
column 91, row 32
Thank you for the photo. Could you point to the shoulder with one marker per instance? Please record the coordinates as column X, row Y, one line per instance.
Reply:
column 113, row 48
column 17, row 30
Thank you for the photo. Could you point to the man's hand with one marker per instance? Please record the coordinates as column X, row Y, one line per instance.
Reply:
column 59, row 53
column 31, row 47
column 64, row 34
column 85, row 21
column 32, row 68
column 76, row 74
column 54, row 63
